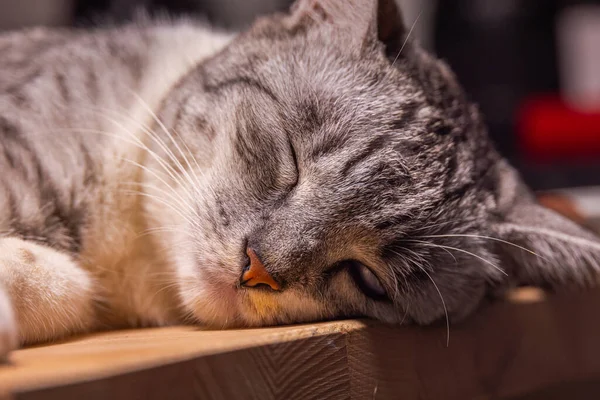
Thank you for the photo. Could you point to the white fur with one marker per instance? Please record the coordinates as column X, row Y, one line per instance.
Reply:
column 50, row 294
column 8, row 326
column 125, row 252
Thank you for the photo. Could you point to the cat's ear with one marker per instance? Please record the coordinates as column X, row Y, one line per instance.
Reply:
column 541, row 247
column 361, row 21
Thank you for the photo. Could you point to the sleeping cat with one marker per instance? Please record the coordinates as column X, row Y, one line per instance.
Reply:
column 319, row 165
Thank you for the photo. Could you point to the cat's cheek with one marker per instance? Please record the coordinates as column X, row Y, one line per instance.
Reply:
column 212, row 302
column 8, row 326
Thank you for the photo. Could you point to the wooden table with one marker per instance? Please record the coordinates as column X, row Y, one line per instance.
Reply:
column 531, row 346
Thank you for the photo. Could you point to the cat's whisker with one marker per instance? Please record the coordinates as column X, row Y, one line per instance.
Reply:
column 194, row 183
column 561, row 237
column 162, row 201
column 443, row 303
column 393, row 278
column 163, row 163
column 451, row 255
column 143, row 167
column 178, row 208
column 99, row 132
column 170, row 136
column 406, row 314
column 169, row 274
column 168, row 229
column 172, row 172
column 446, row 250
column 184, row 205
column 181, row 201
column 408, row 36
column 425, row 243
column 155, row 231
column 483, row 237
column 418, row 265
column 164, row 288
column 179, row 248
column 206, row 183
column 415, row 258
column 444, row 224
column 150, row 133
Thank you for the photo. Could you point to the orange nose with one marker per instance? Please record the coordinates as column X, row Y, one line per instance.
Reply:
column 256, row 273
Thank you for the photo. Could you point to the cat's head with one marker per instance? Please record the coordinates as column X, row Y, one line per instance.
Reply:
column 346, row 168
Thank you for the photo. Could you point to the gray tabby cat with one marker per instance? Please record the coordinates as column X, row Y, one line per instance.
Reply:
column 319, row 165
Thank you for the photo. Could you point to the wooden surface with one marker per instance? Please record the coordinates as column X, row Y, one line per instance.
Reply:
column 530, row 346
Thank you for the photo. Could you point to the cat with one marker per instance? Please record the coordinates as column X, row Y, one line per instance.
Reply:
column 319, row 165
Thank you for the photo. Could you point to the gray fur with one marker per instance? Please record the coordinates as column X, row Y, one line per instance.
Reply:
column 49, row 81
column 315, row 141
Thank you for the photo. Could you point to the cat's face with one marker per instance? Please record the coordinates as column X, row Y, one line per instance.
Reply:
column 360, row 178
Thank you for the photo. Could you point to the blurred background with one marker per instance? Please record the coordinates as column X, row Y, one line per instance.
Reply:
column 533, row 66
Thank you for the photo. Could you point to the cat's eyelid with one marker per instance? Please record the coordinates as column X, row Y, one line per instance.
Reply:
column 367, row 281
column 373, row 280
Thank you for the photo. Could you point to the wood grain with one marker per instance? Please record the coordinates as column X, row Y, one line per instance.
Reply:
column 531, row 345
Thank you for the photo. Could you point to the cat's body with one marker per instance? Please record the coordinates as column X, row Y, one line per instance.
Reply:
column 144, row 167
column 69, row 163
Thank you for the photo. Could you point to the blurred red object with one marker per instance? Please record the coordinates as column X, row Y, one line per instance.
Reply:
column 550, row 130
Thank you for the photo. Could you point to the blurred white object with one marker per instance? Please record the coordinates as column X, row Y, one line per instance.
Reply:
column 578, row 30
column 21, row 13
column 585, row 199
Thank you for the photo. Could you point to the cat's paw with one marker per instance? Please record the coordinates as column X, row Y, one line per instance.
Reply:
column 45, row 292
column 8, row 327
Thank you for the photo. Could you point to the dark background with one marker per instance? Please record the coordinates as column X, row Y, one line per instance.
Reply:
column 505, row 52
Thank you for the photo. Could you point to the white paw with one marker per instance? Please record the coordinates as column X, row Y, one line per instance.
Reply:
column 50, row 294
column 8, row 326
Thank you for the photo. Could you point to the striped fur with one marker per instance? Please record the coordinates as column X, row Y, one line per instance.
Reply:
column 139, row 162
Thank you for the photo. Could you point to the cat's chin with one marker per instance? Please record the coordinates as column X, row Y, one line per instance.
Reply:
column 215, row 305
column 221, row 305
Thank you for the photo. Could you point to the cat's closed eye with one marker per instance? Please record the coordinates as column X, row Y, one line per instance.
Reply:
column 365, row 279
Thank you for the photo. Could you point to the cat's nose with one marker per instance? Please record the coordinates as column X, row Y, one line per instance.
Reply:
column 255, row 273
